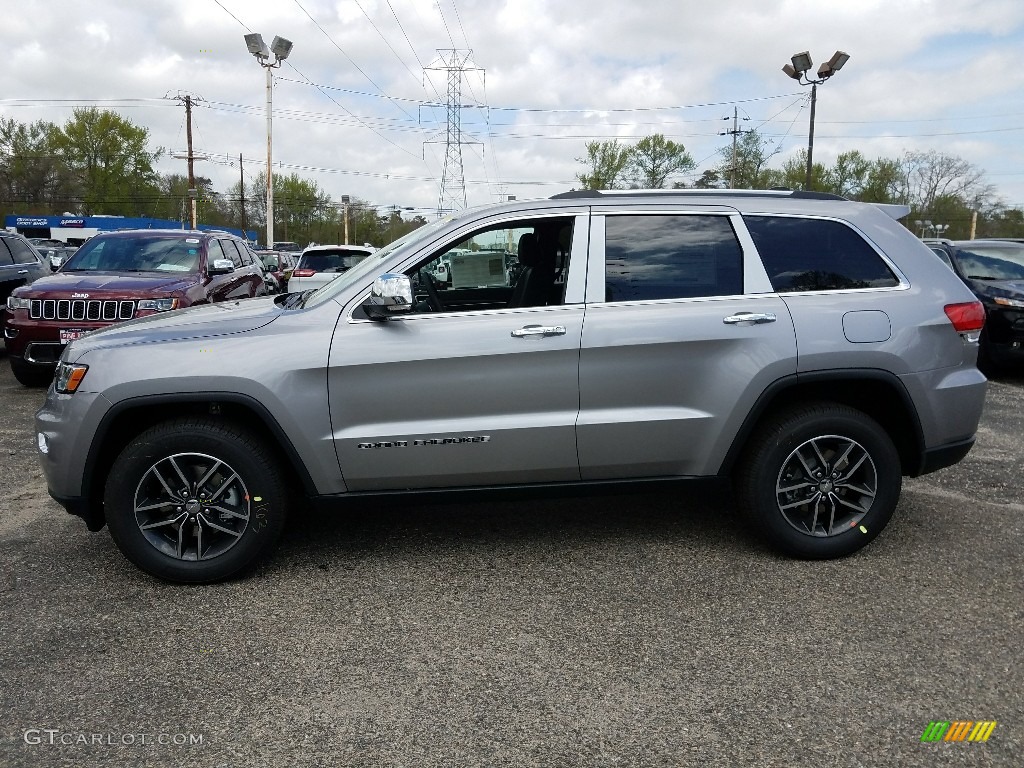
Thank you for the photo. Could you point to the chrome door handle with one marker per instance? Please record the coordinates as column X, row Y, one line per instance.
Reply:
column 754, row 318
column 539, row 330
column 22, row 271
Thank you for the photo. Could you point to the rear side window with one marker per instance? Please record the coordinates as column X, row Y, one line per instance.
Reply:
column 5, row 254
column 21, row 251
column 816, row 255
column 673, row 256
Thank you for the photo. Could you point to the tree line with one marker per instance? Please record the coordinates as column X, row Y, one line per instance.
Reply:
column 101, row 163
column 946, row 194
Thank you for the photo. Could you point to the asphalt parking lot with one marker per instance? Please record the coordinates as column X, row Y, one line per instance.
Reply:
column 630, row 630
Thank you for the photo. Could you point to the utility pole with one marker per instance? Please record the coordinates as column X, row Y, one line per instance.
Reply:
column 453, row 181
column 735, row 132
column 188, row 100
column 241, row 187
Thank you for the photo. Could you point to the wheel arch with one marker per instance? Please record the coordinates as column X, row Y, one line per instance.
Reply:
column 129, row 418
column 879, row 394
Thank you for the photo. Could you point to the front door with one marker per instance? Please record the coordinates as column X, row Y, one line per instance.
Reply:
column 474, row 388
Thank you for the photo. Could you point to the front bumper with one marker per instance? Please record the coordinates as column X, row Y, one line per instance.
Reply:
column 90, row 511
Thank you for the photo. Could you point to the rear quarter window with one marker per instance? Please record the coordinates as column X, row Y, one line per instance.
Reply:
column 816, row 255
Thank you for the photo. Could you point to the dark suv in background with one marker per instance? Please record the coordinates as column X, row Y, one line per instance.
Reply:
column 994, row 271
column 119, row 276
column 20, row 264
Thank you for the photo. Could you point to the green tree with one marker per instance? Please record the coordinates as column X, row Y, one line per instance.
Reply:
column 109, row 161
column 30, row 175
column 606, row 163
column 750, row 168
column 654, row 158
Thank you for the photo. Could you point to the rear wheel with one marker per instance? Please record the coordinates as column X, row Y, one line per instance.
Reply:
column 30, row 375
column 820, row 481
column 195, row 500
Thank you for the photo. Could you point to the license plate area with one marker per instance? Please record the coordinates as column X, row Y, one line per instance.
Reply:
column 70, row 334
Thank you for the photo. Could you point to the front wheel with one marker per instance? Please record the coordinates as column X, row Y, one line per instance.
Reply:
column 820, row 481
column 195, row 500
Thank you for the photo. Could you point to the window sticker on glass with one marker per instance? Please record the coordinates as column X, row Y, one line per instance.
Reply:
column 191, row 239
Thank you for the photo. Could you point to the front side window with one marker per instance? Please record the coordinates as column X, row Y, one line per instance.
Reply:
column 816, row 255
column 228, row 249
column 671, row 256
column 520, row 263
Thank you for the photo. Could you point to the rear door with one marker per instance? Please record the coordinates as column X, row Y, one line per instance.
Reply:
column 682, row 333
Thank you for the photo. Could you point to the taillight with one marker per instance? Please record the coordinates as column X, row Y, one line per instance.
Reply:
column 303, row 273
column 968, row 319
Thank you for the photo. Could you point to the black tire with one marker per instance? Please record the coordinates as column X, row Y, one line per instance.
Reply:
column 30, row 375
column 160, row 529
column 846, row 507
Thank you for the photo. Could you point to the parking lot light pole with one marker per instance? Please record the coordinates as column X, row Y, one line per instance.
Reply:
column 280, row 47
column 798, row 68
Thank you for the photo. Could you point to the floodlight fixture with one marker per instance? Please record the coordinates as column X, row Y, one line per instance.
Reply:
column 788, row 69
column 839, row 58
column 281, row 47
column 254, row 42
column 802, row 61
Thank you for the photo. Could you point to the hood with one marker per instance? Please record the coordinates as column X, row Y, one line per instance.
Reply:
column 110, row 284
column 203, row 321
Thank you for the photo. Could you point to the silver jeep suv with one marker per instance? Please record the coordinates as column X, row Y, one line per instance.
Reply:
column 806, row 347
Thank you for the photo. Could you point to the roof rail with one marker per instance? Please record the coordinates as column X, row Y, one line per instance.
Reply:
column 599, row 193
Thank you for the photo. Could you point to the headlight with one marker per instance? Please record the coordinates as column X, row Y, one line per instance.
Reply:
column 16, row 302
column 68, row 377
column 1000, row 300
column 158, row 305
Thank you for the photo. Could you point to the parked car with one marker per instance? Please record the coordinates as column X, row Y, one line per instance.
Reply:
column 119, row 276
column 20, row 264
column 286, row 245
column 57, row 255
column 994, row 270
column 805, row 346
column 278, row 268
column 319, row 264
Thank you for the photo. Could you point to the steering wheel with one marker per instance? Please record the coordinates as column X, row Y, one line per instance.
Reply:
column 433, row 297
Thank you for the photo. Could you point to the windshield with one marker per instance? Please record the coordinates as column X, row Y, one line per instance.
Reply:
column 139, row 253
column 980, row 262
column 372, row 265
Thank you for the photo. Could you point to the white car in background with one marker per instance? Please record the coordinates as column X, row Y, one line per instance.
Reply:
column 319, row 264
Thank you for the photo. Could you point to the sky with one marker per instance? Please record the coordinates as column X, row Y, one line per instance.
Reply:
column 359, row 105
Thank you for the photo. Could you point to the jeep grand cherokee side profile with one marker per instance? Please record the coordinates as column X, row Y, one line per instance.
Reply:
column 118, row 276
column 804, row 346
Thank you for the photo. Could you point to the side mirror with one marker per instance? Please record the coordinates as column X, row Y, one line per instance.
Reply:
column 391, row 296
column 221, row 267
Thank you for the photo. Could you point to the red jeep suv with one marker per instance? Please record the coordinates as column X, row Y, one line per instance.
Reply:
column 118, row 276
